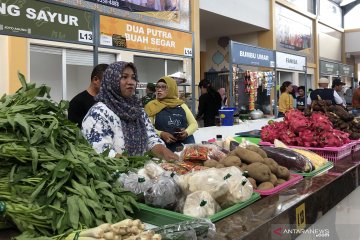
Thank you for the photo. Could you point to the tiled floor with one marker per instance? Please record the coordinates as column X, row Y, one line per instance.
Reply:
column 341, row 222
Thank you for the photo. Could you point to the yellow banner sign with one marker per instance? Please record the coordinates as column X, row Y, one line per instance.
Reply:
column 133, row 35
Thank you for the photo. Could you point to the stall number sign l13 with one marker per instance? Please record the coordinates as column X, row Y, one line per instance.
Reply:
column 300, row 217
column 37, row 19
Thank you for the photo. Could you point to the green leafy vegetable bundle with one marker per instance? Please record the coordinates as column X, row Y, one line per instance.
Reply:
column 51, row 180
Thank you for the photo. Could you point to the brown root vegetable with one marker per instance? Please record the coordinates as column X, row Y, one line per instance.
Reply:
column 253, row 182
column 271, row 164
column 258, row 150
column 232, row 153
column 265, row 186
column 280, row 181
column 273, row 179
column 230, row 161
column 219, row 165
column 244, row 167
column 259, row 171
column 283, row 172
column 248, row 156
column 211, row 163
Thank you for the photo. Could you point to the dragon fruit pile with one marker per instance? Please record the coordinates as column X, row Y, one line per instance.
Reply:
column 299, row 130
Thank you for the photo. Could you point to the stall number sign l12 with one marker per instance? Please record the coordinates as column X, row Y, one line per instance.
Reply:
column 37, row 19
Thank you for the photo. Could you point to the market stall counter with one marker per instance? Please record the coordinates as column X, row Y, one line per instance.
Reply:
column 294, row 208
column 206, row 133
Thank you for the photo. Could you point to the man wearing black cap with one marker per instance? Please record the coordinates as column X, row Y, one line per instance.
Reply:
column 338, row 85
column 150, row 94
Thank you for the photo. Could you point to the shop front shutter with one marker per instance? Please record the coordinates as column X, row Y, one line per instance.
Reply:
column 85, row 58
column 45, row 49
column 106, row 58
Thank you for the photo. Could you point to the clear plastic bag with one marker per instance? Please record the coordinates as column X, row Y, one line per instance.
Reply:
column 204, row 229
column 164, row 193
column 135, row 183
column 153, row 170
column 200, row 205
column 210, row 180
column 201, row 152
column 240, row 189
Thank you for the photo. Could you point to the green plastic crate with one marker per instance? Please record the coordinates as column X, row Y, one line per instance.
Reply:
column 161, row 217
column 324, row 168
column 250, row 139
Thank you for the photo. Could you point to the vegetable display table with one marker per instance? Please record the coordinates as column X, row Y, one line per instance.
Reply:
column 295, row 207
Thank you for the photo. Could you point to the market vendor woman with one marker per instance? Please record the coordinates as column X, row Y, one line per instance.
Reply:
column 118, row 122
column 171, row 117
column 286, row 100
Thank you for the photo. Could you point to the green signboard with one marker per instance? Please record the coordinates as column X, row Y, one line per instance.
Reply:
column 329, row 68
column 38, row 19
column 346, row 70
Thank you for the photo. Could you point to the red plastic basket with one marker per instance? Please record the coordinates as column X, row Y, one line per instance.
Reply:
column 332, row 154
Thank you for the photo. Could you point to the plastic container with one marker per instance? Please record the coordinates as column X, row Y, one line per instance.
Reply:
column 332, row 154
column 294, row 179
column 160, row 217
column 324, row 168
column 356, row 146
column 227, row 116
column 253, row 140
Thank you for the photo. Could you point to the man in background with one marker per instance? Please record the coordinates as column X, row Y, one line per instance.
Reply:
column 82, row 102
column 150, row 94
column 300, row 100
column 325, row 93
column 338, row 86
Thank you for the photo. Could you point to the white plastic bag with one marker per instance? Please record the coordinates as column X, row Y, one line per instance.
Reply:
column 153, row 170
column 210, row 180
column 240, row 189
column 200, row 204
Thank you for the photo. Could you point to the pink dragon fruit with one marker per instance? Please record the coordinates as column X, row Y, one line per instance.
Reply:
column 320, row 122
column 273, row 131
column 307, row 138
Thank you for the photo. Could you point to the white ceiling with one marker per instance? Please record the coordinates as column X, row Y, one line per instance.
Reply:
column 213, row 25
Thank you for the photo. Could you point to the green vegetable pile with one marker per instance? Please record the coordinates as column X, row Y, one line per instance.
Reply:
column 51, row 180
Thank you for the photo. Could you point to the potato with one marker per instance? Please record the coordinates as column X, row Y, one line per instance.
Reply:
column 232, row 153
column 265, row 186
column 220, row 165
column 244, row 167
column 248, row 156
column 271, row 164
column 230, row 161
column 258, row 150
column 283, row 172
column 211, row 163
column 273, row 179
column 280, row 181
column 259, row 171
column 253, row 182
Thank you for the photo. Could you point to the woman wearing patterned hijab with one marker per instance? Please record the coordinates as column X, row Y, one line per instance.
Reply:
column 118, row 122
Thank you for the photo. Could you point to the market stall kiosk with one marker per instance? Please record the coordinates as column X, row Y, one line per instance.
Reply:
column 335, row 69
column 69, row 24
column 244, row 83
column 286, row 61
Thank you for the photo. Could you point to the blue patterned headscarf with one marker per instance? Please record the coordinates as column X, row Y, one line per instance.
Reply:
column 127, row 109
